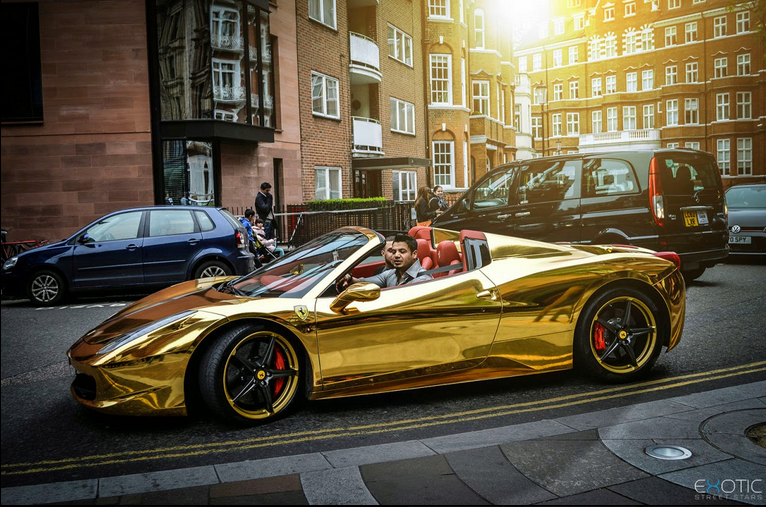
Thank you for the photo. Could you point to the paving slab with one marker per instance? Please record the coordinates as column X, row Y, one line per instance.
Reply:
column 717, row 479
column 157, row 481
column 655, row 491
column 634, row 452
column 377, row 453
column 271, row 467
column 727, row 432
column 494, row 436
column 338, row 486
column 621, row 415
column 50, row 493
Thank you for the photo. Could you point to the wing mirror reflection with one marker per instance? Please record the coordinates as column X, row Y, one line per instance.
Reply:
column 85, row 238
column 362, row 291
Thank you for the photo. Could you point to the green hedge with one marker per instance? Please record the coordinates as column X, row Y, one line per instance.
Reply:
column 369, row 202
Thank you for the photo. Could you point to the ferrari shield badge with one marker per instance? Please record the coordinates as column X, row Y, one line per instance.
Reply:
column 301, row 311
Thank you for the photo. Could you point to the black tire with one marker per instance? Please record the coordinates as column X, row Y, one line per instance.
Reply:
column 618, row 338
column 692, row 274
column 212, row 268
column 46, row 288
column 251, row 374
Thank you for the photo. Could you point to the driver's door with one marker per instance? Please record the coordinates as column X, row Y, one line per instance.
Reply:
column 414, row 330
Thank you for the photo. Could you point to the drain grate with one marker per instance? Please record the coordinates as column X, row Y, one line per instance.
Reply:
column 671, row 452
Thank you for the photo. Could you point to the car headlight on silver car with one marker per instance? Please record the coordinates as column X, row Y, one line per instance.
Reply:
column 144, row 330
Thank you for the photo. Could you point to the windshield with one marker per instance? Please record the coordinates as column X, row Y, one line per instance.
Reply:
column 746, row 197
column 299, row 271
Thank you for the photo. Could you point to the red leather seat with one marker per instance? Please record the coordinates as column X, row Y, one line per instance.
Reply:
column 420, row 232
column 447, row 255
column 425, row 254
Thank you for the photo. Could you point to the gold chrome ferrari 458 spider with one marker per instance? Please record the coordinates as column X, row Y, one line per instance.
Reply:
column 498, row 306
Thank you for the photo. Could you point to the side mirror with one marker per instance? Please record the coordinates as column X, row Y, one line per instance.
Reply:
column 466, row 204
column 362, row 291
column 85, row 238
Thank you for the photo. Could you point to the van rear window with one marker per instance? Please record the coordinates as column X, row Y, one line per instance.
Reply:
column 684, row 175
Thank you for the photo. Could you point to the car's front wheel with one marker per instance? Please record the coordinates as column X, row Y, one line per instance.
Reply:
column 211, row 269
column 250, row 374
column 617, row 337
column 46, row 288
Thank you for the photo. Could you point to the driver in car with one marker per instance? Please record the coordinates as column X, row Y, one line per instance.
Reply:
column 403, row 255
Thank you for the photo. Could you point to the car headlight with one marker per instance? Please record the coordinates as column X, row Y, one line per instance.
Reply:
column 144, row 330
column 10, row 263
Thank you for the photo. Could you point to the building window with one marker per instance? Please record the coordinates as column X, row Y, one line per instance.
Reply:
column 463, row 82
column 481, row 97
column 744, row 105
column 719, row 26
column 631, row 82
column 573, row 56
column 610, row 46
column 671, row 112
column 573, row 124
column 227, row 86
column 647, row 39
column 631, row 42
column 691, row 31
column 671, row 38
column 579, row 22
column 574, row 89
column 402, row 116
column 629, row 118
column 630, row 9
column 674, row 4
column 691, row 110
column 323, row 11
column 558, row 91
column 693, row 145
column 611, row 119
column 743, row 21
column 328, row 183
column 671, row 75
column 611, row 84
column 596, row 126
column 438, row 8
column 672, row 145
column 647, row 79
column 558, row 26
column 571, row 4
column 743, row 64
column 609, row 14
column 22, row 94
column 558, row 58
column 595, row 86
column 324, row 95
column 722, row 106
column 225, row 31
column 556, row 122
column 649, row 116
column 441, row 79
column 478, row 28
column 541, row 95
column 721, row 65
column 537, row 127
column 444, row 163
column 692, row 72
column 399, row 45
column 723, row 156
column 537, row 61
column 745, row 156
column 405, row 185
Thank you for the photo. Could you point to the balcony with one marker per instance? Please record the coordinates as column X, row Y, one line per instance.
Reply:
column 226, row 42
column 230, row 94
column 365, row 60
column 621, row 140
column 368, row 137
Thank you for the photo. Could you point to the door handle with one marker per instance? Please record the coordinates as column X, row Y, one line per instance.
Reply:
column 132, row 247
column 523, row 213
column 193, row 241
column 503, row 217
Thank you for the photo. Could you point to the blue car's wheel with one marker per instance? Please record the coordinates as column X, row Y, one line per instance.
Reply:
column 46, row 288
column 212, row 269
column 250, row 374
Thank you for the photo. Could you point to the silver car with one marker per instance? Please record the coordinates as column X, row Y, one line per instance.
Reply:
column 747, row 219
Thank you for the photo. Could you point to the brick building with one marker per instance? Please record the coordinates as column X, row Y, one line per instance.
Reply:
column 649, row 74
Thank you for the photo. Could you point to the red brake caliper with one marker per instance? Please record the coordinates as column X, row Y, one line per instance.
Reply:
column 598, row 337
column 279, row 364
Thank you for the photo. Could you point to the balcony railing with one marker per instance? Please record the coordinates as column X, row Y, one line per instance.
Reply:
column 368, row 136
column 227, row 42
column 628, row 139
column 229, row 93
column 365, row 59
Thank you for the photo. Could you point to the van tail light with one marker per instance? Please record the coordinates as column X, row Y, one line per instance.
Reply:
column 670, row 256
column 656, row 201
column 241, row 240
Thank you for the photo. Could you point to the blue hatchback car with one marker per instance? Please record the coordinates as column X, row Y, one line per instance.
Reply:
column 136, row 248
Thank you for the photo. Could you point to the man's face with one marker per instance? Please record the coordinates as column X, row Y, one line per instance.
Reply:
column 401, row 256
column 388, row 254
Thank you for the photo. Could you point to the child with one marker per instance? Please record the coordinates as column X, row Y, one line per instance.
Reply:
column 270, row 244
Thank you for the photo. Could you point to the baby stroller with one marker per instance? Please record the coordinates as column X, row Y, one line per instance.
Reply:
column 263, row 253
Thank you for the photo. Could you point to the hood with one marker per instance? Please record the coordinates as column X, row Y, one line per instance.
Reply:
column 747, row 218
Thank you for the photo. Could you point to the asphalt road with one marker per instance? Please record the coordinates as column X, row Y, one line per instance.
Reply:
column 47, row 437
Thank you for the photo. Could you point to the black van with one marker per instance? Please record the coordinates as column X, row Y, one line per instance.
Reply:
column 664, row 199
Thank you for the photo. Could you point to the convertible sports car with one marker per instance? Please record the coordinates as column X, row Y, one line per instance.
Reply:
column 252, row 347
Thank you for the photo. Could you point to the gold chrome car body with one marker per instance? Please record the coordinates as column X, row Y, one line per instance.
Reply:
column 515, row 314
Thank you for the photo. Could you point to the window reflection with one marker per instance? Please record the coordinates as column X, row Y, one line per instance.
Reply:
column 188, row 173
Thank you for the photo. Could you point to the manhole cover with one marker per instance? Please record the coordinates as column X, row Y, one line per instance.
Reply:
column 671, row 452
column 757, row 434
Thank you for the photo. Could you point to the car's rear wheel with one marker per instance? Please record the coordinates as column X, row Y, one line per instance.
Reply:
column 617, row 337
column 211, row 269
column 251, row 374
column 46, row 288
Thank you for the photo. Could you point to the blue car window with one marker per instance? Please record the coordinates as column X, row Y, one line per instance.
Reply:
column 205, row 222
column 115, row 227
column 165, row 222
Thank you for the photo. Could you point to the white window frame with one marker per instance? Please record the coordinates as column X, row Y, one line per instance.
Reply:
column 691, row 111
column 721, row 66
column 537, row 127
column 648, row 116
column 439, row 9
column 722, row 111
column 629, row 118
column 631, row 82
column 723, row 156
column 328, row 84
column 630, row 9
column 609, row 14
column 611, row 84
column 441, row 83
column 611, row 119
column 743, row 64
column 671, row 75
column 719, row 27
column 556, row 125
column 402, row 116
column 671, row 112
column 694, row 145
column 597, row 125
column 558, row 26
column 692, row 72
column 745, row 156
column 318, row 11
column 573, row 54
column 558, row 91
column 745, row 105
column 573, row 124
column 399, row 45
column 558, row 58
column 674, row 4
column 743, row 21
column 579, row 21
column 332, row 177
column 444, row 163
column 647, row 79
column 522, row 65
column 671, row 36
column 537, row 62
column 630, row 42
column 480, row 96
column 405, row 184
column 574, row 89
column 478, row 29
column 691, row 32
column 595, row 87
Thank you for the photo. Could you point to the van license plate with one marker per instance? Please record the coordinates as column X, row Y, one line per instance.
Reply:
column 740, row 240
column 695, row 218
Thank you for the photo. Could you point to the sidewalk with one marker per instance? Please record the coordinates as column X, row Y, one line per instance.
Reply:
column 597, row 458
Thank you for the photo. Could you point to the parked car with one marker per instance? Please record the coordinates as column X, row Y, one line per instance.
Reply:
column 148, row 247
column 665, row 199
column 747, row 219
column 250, row 348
